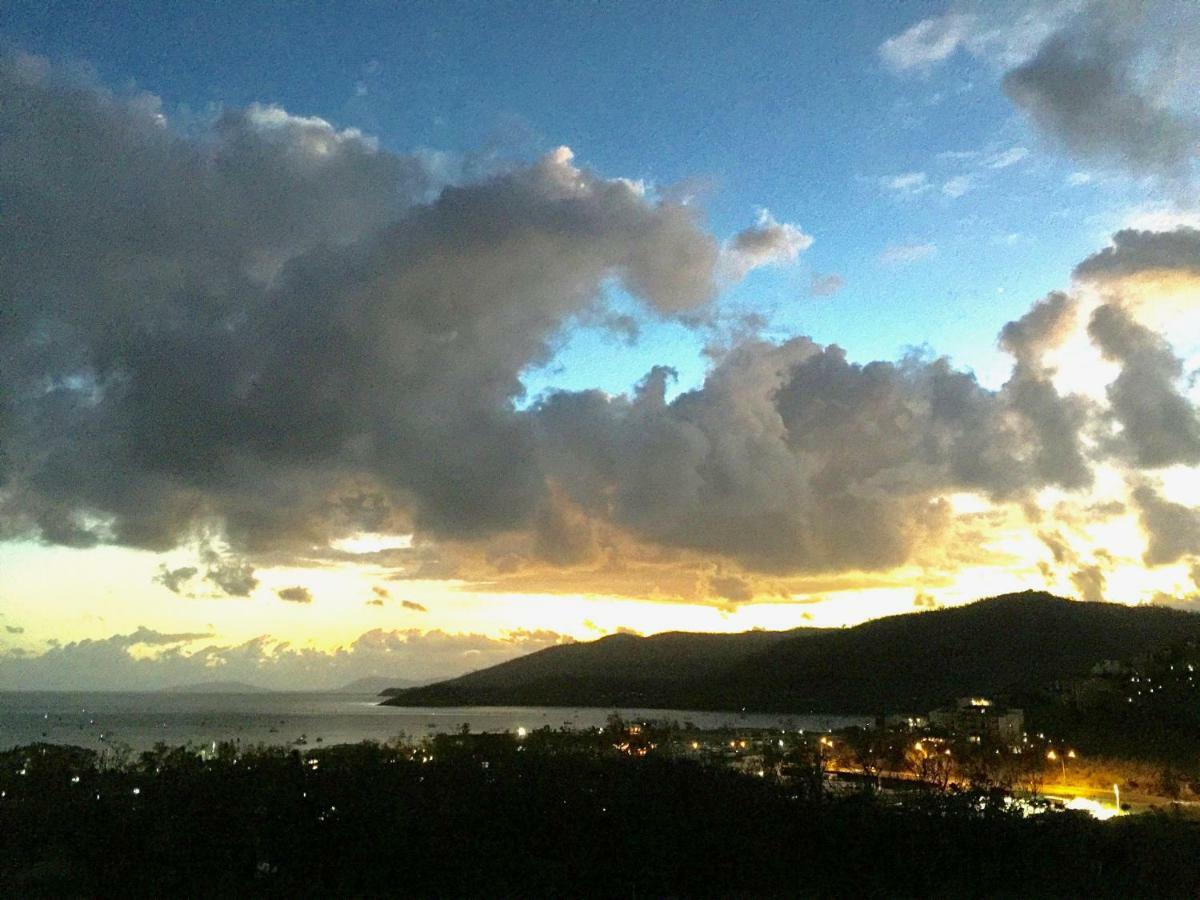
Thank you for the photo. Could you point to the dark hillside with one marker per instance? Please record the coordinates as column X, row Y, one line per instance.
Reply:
column 618, row 670
column 911, row 663
column 919, row 661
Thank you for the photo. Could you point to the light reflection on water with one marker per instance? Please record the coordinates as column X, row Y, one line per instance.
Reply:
column 140, row 720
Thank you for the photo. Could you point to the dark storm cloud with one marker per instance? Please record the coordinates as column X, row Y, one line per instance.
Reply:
column 1045, row 326
column 1172, row 529
column 274, row 334
column 280, row 332
column 1058, row 547
column 1160, row 426
column 1136, row 252
column 791, row 458
column 1056, row 422
column 297, row 594
column 1086, row 87
column 732, row 588
column 174, row 580
column 1090, row 582
column 231, row 575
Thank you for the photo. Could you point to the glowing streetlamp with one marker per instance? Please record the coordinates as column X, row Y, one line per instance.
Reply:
column 1062, row 761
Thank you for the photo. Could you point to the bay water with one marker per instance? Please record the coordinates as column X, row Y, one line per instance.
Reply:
column 141, row 719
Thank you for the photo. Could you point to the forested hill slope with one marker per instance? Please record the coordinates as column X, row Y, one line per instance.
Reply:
column 618, row 670
column 912, row 662
column 918, row 661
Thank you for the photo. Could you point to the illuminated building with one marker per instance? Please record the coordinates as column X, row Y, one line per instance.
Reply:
column 979, row 719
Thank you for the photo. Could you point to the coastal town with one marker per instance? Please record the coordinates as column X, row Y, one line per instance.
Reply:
column 639, row 803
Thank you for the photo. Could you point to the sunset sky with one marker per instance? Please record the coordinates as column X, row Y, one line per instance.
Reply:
column 372, row 339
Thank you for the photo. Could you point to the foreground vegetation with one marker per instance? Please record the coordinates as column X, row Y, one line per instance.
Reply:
column 552, row 813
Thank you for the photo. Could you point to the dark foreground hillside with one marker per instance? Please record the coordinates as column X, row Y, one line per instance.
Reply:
column 907, row 663
column 368, row 820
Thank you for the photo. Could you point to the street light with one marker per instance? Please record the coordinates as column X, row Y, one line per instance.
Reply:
column 1062, row 761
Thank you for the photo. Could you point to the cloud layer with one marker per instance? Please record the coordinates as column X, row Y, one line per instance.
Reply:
column 272, row 331
column 1112, row 84
column 145, row 659
column 273, row 334
column 1083, row 89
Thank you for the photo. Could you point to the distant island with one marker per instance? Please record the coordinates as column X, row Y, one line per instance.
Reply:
column 215, row 687
column 370, row 684
column 377, row 684
column 1006, row 645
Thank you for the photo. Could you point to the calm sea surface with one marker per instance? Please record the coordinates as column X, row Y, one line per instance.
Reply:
column 140, row 720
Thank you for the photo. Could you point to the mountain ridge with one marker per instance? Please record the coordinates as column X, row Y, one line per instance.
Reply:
column 911, row 662
column 615, row 670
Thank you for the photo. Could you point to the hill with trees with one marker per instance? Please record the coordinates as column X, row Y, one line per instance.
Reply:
column 1002, row 646
column 915, row 662
column 617, row 670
